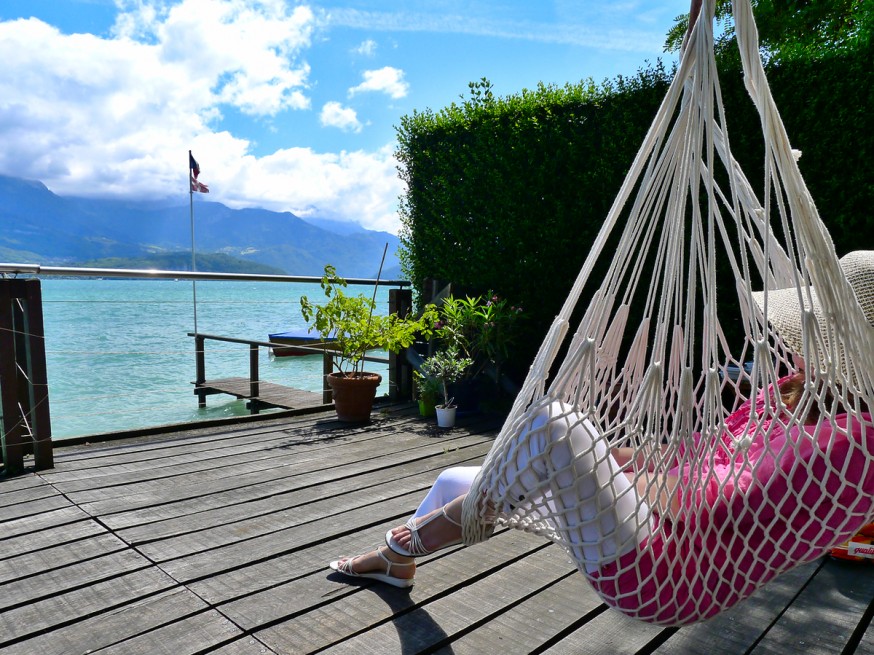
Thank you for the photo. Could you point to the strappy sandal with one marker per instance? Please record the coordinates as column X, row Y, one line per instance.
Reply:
column 417, row 548
column 345, row 567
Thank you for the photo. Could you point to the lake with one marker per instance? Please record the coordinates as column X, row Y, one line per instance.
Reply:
column 118, row 356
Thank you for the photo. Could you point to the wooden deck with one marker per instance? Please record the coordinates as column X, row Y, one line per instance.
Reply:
column 270, row 394
column 216, row 541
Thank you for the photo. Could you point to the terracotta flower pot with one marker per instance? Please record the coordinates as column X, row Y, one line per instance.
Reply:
column 353, row 395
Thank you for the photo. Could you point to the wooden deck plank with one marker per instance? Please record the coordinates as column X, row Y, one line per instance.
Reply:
column 276, row 498
column 54, row 557
column 74, row 525
column 834, row 600
column 438, row 622
column 25, row 494
column 334, row 609
column 738, row 629
column 113, row 465
column 617, row 634
column 539, row 619
column 55, row 613
column 245, row 646
column 305, row 472
column 61, row 580
column 271, row 393
column 263, row 455
column 192, row 634
column 243, row 520
column 30, row 508
column 136, row 616
column 222, row 528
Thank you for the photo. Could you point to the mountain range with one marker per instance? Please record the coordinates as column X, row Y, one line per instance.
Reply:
column 40, row 227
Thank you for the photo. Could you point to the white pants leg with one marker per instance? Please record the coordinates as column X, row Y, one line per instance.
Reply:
column 449, row 485
column 559, row 471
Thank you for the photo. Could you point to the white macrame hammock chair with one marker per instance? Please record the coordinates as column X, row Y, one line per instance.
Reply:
column 657, row 385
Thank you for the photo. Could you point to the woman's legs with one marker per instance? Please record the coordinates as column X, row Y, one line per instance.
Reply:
column 448, row 490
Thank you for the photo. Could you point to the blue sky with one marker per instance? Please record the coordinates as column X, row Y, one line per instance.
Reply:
column 290, row 106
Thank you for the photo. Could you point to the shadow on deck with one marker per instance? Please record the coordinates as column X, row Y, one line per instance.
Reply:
column 216, row 541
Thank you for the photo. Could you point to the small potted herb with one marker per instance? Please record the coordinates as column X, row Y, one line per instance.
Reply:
column 447, row 366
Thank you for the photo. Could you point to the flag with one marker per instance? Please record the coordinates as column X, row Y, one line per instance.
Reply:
column 194, row 171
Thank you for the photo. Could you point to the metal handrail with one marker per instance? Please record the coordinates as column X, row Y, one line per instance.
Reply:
column 39, row 269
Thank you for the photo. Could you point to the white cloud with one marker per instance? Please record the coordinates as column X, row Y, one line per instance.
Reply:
column 114, row 116
column 336, row 115
column 357, row 186
column 596, row 34
column 366, row 48
column 386, row 80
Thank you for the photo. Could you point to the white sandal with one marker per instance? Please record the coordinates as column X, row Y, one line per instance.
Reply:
column 345, row 567
column 417, row 548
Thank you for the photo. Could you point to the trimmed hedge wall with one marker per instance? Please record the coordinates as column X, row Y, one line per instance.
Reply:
column 508, row 194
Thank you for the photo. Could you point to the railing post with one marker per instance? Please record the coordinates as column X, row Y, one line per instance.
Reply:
column 400, row 375
column 254, row 386
column 24, row 408
column 327, row 369
column 38, row 390
column 200, row 368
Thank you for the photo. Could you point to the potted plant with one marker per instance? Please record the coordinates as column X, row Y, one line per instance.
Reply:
column 427, row 392
column 481, row 329
column 447, row 366
column 350, row 320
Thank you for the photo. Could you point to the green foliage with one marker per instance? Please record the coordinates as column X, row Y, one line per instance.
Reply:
column 509, row 193
column 447, row 366
column 479, row 327
column 351, row 322
column 792, row 30
column 427, row 388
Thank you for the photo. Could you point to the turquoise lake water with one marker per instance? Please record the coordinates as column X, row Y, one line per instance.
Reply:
column 118, row 355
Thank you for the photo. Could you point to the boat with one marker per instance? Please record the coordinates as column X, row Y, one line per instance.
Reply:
column 297, row 338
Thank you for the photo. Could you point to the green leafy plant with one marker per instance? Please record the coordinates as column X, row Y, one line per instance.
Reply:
column 351, row 322
column 427, row 388
column 479, row 327
column 447, row 366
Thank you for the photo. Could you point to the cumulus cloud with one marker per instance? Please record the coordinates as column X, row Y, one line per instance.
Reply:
column 336, row 115
column 341, row 186
column 387, row 80
column 114, row 116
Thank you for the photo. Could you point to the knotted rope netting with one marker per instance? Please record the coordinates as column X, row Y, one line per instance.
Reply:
column 722, row 495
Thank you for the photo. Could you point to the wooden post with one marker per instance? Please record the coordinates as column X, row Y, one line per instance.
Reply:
column 200, row 369
column 327, row 369
column 38, row 391
column 13, row 448
column 254, row 386
column 400, row 374
column 24, row 402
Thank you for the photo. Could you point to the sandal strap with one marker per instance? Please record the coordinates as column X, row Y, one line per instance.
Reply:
column 449, row 518
column 389, row 563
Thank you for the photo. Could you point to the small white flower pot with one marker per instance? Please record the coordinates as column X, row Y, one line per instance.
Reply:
column 446, row 416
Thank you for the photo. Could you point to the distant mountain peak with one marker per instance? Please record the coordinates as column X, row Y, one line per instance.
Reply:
column 34, row 222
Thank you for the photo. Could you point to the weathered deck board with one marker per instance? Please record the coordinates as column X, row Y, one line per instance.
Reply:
column 269, row 393
column 217, row 540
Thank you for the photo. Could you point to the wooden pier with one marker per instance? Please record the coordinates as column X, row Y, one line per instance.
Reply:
column 216, row 540
column 268, row 394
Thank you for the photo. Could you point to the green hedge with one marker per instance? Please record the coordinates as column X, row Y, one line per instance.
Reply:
column 508, row 193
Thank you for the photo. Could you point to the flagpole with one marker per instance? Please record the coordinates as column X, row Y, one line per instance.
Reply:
column 193, row 260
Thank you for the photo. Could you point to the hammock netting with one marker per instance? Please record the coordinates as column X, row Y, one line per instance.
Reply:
column 721, row 496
